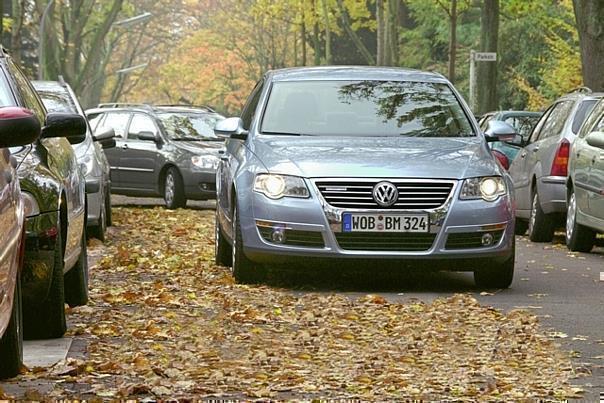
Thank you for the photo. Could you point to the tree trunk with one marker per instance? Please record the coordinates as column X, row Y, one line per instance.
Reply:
column 452, row 40
column 315, row 35
column 303, row 37
column 393, row 23
column 381, row 32
column 590, row 17
column 327, row 33
column 353, row 35
column 486, row 72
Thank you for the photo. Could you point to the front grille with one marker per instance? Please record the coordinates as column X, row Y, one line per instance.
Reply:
column 413, row 195
column 385, row 241
column 470, row 240
column 309, row 239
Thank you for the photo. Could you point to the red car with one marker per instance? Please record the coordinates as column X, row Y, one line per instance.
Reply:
column 17, row 127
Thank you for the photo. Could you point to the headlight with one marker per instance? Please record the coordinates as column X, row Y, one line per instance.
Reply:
column 278, row 186
column 86, row 165
column 205, row 161
column 30, row 205
column 488, row 188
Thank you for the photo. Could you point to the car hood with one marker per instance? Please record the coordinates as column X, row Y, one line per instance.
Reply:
column 200, row 147
column 409, row 157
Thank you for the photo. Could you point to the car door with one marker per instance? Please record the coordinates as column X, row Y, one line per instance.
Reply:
column 138, row 162
column 519, row 168
column 595, row 178
column 9, row 235
column 118, row 121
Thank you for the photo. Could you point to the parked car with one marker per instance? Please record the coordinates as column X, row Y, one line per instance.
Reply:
column 55, row 267
column 384, row 164
column 17, row 127
column 585, row 185
column 539, row 171
column 58, row 96
column 522, row 121
column 167, row 151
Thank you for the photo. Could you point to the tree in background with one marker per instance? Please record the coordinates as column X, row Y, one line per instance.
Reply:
column 590, row 23
column 486, row 72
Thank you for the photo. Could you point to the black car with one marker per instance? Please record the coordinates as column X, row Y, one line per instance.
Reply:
column 167, row 151
column 55, row 268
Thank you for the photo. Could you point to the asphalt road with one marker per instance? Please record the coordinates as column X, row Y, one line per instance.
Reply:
column 565, row 290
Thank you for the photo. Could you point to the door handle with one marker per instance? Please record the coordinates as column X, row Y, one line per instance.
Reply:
column 535, row 149
column 523, row 155
column 593, row 160
column 124, row 146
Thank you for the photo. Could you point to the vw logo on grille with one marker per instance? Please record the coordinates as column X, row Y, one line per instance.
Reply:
column 385, row 194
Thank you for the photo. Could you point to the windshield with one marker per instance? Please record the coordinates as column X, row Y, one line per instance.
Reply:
column 365, row 108
column 190, row 126
column 57, row 102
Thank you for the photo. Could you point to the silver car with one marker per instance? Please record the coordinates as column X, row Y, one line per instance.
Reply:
column 540, row 169
column 585, row 185
column 380, row 164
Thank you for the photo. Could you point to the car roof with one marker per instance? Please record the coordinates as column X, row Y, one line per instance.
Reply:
column 50, row 86
column 152, row 109
column 518, row 113
column 354, row 73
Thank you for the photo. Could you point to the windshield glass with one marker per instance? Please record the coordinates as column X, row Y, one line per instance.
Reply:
column 190, row 126
column 57, row 102
column 365, row 108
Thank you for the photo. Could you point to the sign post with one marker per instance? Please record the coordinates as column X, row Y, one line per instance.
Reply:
column 477, row 57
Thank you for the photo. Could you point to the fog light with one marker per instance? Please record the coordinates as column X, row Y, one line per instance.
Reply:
column 487, row 239
column 278, row 235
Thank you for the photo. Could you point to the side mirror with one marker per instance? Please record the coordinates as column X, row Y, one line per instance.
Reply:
column 231, row 128
column 106, row 138
column 499, row 131
column 147, row 136
column 595, row 139
column 18, row 127
column 68, row 125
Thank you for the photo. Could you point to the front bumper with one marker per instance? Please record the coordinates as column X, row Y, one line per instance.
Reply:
column 462, row 217
column 39, row 260
column 199, row 184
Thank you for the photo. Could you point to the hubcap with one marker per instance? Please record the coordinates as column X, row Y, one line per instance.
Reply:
column 169, row 191
column 533, row 214
column 570, row 216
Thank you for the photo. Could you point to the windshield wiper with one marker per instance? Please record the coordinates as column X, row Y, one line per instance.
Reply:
column 282, row 134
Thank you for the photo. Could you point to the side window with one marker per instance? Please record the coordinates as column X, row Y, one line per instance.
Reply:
column 590, row 123
column 555, row 121
column 484, row 122
column 28, row 95
column 95, row 120
column 118, row 121
column 141, row 123
column 582, row 113
column 250, row 107
column 536, row 133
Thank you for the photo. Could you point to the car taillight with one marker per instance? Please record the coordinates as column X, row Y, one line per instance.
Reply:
column 560, row 164
column 502, row 158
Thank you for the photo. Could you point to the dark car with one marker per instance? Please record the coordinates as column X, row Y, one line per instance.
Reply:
column 168, row 151
column 59, row 97
column 522, row 121
column 55, row 267
column 17, row 127
column 540, row 170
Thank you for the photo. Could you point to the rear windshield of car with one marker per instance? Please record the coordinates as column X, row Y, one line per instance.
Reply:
column 190, row 126
column 364, row 108
column 57, row 102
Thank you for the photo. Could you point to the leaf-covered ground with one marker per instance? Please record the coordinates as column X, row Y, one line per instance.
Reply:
column 164, row 321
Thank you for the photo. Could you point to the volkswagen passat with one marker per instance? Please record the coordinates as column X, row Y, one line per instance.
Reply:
column 362, row 163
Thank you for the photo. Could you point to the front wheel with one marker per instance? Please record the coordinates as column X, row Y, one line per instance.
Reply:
column 497, row 276
column 578, row 237
column 541, row 225
column 108, row 215
column 174, row 193
column 222, row 249
column 244, row 270
column 76, row 280
column 11, row 343
column 98, row 231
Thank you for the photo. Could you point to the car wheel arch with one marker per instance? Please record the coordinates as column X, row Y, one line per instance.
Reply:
column 162, row 176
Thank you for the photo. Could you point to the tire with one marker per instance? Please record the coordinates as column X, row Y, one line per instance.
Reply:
column 498, row 275
column 244, row 270
column 46, row 320
column 174, row 193
column 98, row 231
column 222, row 249
column 76, row 280
column 11, row 343
column 108, row 214
column 540, row 225
column 578, row 237
column 521, row 227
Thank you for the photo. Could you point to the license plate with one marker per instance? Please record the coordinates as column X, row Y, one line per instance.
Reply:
column 353, row 222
